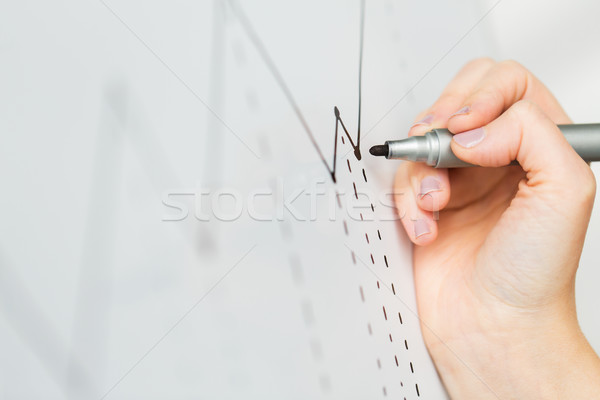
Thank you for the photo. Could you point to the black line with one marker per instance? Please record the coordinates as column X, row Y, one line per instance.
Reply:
column 335, row 139
column 360, row 59
column 258, row 44
column 252, row 35
column 355, row 147
column 426, row 326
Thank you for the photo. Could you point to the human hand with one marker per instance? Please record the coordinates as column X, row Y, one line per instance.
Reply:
column 495, row 273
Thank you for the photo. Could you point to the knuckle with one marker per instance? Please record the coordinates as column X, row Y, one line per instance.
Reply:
column 525, row 108
column 490, row 95
column 511, row 65
column 449, row 97
column 587, row 185
column 481, row 62
column 512, row 70
column 578, row 185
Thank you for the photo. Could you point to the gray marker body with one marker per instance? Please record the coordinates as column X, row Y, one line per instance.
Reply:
column 434, row 148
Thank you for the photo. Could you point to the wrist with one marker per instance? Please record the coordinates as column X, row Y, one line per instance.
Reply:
column 541, row 358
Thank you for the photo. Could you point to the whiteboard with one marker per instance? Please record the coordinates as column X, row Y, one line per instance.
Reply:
column 172, row 228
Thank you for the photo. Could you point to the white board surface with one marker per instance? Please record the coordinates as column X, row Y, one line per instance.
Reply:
column 126, row 125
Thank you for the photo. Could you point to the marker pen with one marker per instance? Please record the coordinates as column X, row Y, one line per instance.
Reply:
column 434, row 147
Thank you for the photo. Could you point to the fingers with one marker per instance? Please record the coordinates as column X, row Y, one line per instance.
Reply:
column 452, row 97
column 419, row 224
column 481, row 94
column 425, row 190
column 503, row 85
column 524, row 133
column 431, row 187
column 420, row 193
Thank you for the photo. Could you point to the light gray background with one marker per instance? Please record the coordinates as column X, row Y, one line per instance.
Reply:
column 66, row 68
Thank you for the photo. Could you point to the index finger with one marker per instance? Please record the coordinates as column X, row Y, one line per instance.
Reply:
column 453, row 95
column 505, row 84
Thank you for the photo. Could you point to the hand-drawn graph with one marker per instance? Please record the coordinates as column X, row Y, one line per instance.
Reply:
column 392, row 309
column 306, row 294
column 290, row 97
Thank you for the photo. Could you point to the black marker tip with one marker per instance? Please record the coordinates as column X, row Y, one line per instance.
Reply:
column 379, row 150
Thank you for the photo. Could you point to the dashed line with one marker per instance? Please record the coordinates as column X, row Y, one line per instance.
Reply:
column 361, row 290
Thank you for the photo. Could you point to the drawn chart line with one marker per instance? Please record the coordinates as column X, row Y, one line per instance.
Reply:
column 423, row 322
column 253, row 36
column 335, row 147
column 360, row 63
column 355, row 147
column 176, row 324
column 268, row 60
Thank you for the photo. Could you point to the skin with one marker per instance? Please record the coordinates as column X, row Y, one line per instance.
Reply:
column 495, row 275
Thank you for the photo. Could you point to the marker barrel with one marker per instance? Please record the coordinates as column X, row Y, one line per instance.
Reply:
column 434, row 147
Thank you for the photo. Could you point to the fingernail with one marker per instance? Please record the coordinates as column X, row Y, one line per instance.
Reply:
column 427, row 120
column 429, row 184
column 462, row 111
column 470, row 138
column 421, row 228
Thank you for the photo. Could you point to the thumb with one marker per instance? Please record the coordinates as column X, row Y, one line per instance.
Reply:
column 525, row 134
